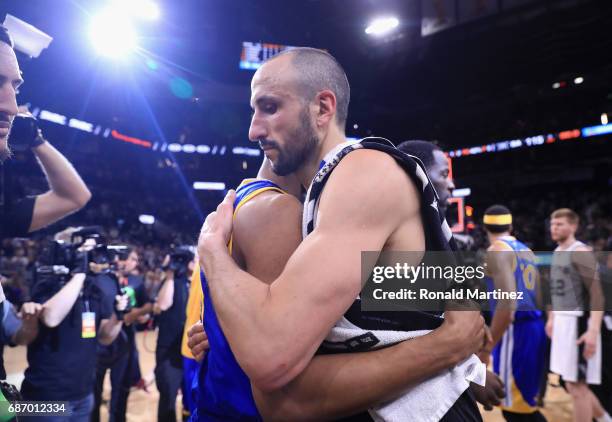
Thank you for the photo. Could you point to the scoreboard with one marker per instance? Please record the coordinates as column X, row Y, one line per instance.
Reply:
column 254, row 54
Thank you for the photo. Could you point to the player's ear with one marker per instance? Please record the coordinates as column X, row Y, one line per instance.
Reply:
column 326, row 104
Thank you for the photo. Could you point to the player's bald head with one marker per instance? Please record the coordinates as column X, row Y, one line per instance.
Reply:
column 310, row 71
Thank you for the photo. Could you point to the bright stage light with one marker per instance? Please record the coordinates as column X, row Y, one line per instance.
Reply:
column 112, row 33
column 209, row 185
column 462, row 193
column 382, row 26
column 149, row 10
column 143, row 9
column 146, row 219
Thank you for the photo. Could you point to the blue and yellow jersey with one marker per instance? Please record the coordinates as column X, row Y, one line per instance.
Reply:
column 223, row 389
column 525, row 274
column 518, row 358
column 193, row 309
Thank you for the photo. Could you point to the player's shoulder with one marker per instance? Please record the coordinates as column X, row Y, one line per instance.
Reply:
column 375, row 172
column 370, row 159
column 583, row 247
column 266, row 207
column 499, row 246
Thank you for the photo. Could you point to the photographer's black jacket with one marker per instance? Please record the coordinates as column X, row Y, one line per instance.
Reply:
column 15, row 214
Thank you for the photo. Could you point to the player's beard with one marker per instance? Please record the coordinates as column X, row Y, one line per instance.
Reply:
column 561, row 238
column 301, row 144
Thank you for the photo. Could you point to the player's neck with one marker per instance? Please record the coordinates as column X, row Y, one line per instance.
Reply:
column 308, row 171
column 289, row 183
column 493, row 237
column 567, row 242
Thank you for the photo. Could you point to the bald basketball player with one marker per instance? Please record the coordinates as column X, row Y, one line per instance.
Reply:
column 300, row 101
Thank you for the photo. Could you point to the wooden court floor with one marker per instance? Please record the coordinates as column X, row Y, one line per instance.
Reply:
column 142, row 405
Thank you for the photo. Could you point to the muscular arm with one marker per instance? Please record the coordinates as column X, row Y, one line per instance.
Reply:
column 67, row 193
column 499, row 265
column 320, row 391
column 320, row 281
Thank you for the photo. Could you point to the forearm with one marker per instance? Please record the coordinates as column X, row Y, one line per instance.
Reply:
column 136, row 313
column 109, row 330
column 320, row 391
column 166, row 295
column 27, row 333
column 500, row 323
column 597, row 304
column 254, row 330
column 63, row 179
column 595, row 320
column 56, row 308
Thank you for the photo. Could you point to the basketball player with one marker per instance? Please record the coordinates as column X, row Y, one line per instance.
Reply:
column 305, row 397
column 436, row 163
column 574, row 325
column 300, row 99
column 517, row 329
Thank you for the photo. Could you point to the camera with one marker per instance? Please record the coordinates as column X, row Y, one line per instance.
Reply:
column 81, row 250
column 180, row 257
column 60, row 258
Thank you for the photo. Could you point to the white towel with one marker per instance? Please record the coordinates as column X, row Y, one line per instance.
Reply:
column 427, row 401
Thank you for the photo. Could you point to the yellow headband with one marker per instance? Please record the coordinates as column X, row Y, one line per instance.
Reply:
column 498, row 220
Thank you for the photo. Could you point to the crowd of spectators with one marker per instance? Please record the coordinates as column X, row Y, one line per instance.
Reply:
column 120, row 225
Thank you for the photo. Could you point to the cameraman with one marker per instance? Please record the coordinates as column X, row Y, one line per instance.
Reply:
column 170, row 305
column 121, row 357
column 62, row 359
column 68, row 192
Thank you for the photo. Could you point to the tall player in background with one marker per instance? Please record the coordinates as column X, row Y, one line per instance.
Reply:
column 574, row 325
column 517, row 329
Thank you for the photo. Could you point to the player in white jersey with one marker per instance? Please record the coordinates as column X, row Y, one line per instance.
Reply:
column 574, row 324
